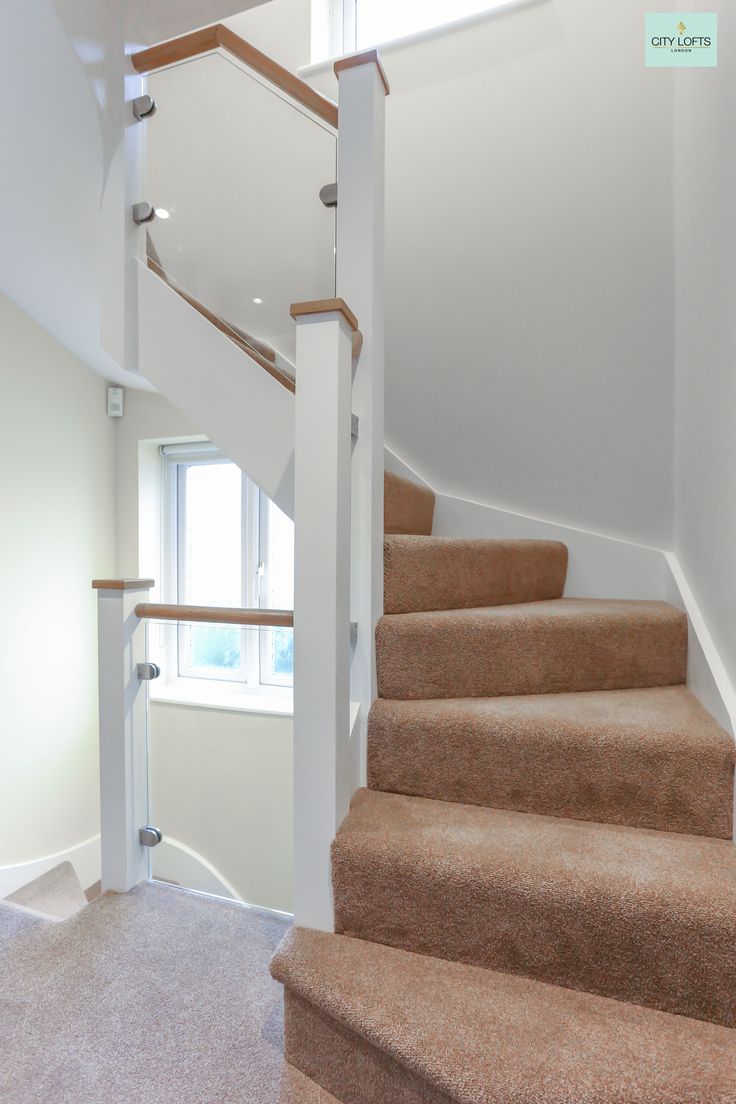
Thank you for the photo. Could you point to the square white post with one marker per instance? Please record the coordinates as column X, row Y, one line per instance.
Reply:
column 360, row 282
column 323, row 757
column 123, row 758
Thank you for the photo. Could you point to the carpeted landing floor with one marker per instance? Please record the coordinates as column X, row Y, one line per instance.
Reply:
column 153, row 997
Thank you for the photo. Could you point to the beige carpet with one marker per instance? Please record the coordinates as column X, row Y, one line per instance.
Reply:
column 155, row 997
column 535, row 901
column 481, row 1037
column 56, row 893
column 649, row 758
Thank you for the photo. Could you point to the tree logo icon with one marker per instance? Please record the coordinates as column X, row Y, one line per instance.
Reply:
column 681, row 28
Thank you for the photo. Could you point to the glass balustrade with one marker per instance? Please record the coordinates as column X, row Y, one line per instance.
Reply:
column 220, row 749
column 234, row 169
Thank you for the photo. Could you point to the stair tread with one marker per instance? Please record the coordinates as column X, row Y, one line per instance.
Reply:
column 436, row 573
column 56, row 893
column 643, row 915
column 485, row 1037
column 563, row 644
column 651, row 757
column 563, row 609
column 16, row 920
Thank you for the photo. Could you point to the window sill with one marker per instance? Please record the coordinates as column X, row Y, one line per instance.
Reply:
column 278, row 701
column 318, row 68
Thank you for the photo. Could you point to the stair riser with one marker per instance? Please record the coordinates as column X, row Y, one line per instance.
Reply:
column 483, row 656
column 407, row 507
column 511, row 765
column 422, row 575
column 643, row 951
column 345, row 1064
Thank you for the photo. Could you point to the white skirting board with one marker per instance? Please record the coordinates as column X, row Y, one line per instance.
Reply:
column 84, row 857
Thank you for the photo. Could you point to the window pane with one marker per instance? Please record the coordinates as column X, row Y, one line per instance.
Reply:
column 282, row 652
column 277, row 655
column 383, row 20
column 211, row 564
column 215, row 646
column 211, row 573
column 280, row 566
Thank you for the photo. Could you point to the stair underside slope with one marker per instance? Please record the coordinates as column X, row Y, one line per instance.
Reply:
column 374, row 1024
column 648, row 758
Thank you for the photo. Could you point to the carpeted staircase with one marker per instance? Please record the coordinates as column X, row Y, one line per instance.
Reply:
column 535, row 898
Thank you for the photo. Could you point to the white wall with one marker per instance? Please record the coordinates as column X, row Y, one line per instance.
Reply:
column 56, row 489
column 529, row 289
column 529, row 261
column 221, row 784
column 705, row 441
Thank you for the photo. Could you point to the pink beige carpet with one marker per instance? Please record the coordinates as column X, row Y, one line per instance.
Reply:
column 157, row 996
column 535, row 898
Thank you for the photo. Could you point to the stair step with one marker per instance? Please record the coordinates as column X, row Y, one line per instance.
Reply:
column 440, row 573
column 643, row 916
column 16, row 920
column 57, row 893
column 652, row 758
column 372, row 1024
column 568, row 644
column 407, row 507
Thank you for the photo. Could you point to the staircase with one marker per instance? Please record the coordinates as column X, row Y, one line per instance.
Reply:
column 535, row 898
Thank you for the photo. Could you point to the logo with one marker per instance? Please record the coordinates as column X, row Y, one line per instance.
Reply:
column 688, row 40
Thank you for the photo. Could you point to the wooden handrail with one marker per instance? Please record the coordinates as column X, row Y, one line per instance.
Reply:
column 366, row 58
column 235, row 336
column 122, row 584
column 217, row 615
column 219, row 36
column 324, row 306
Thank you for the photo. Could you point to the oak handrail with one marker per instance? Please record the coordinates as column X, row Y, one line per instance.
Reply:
column 217, row 615
column 218, row 36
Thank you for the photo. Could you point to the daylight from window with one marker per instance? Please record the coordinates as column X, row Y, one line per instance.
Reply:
column 210, row 562
column 229, row 546
column 383, row 20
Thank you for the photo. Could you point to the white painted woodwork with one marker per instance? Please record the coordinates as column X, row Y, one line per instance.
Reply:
column 225, row 393
column 360, row 282
column 123, row 765
column 325, row 764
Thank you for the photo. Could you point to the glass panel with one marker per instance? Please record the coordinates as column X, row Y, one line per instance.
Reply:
column 236, row 170
column 220, row 780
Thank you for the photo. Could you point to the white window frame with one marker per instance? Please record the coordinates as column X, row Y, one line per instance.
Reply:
column 243, row 688
column 335, row 28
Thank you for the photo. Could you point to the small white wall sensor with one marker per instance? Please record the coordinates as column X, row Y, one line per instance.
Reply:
column 115, row 402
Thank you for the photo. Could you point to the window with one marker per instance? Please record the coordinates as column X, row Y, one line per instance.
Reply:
column 224, row 544
column 359, row 24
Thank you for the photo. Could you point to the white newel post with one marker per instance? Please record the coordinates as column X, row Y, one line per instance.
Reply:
column 323, row 770
column 123, row 766
column 360, row 282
